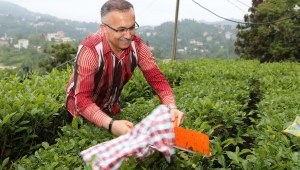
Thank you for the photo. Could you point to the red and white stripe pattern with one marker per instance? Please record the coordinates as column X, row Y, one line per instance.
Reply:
column 95, row 86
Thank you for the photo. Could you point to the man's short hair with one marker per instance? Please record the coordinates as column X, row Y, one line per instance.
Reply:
column 115, row 5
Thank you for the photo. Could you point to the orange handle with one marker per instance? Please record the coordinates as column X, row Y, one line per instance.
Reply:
column 175, row 122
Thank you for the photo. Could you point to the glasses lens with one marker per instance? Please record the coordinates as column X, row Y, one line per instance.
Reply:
column 136, row 26
column 122, row 30
column 131, row 29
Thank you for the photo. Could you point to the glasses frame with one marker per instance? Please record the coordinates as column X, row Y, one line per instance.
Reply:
column 123, row 30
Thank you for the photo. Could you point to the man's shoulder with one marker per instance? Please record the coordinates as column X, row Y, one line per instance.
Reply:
column 137, row 38
column 138, row 41
column 93, row 39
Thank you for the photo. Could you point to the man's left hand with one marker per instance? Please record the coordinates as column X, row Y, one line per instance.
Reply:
column 177, row 113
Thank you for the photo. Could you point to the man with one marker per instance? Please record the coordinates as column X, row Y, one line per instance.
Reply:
column 105, row 62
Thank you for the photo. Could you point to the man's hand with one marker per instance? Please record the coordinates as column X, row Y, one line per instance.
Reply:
column 118, row 127
column 121, row 127
column 177, row 113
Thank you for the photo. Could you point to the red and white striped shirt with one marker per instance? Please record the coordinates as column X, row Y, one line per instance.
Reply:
column 95, row 85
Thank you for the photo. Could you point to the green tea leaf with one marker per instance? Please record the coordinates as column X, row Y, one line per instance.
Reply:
column 233, row 156
column 7, row 118
column 4, row 163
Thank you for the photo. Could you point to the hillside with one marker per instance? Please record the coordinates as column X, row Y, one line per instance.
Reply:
column 195, row 39
column 15, row 20
column 224, row 22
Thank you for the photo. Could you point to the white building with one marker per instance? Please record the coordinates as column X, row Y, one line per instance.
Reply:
column 49, row 36
column 227, row 35
column 66, row 39
column 57, row 36
column 22, row 43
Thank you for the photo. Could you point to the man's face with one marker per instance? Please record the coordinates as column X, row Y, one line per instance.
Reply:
column 119, row 21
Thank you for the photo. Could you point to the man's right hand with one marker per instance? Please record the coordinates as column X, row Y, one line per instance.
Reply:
column 121, row 127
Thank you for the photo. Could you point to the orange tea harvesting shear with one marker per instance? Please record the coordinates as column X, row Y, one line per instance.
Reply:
column 191, row 141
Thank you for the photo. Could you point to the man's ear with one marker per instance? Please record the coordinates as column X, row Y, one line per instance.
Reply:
column 103, row 28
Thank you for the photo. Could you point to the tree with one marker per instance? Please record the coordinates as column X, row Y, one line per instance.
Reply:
column 60, row 55
column 272, row 33
column 157, row 53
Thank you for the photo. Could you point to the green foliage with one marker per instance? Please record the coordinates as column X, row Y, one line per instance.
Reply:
column 157, row 52
column 242, row 105
column 272, row 41
column 30, row 112
column 64, row 154
column 61, row 55
column 21, row 57
column 128, row 164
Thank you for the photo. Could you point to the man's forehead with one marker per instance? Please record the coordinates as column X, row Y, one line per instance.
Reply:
column 120, row 19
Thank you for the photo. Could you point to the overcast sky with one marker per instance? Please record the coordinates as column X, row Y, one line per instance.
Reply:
column 148, row 12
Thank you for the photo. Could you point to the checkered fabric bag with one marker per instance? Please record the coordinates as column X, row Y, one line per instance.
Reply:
column 155, row 132
column 294, row 128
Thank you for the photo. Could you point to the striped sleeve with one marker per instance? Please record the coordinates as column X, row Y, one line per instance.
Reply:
column 94, row 114
column 154, row 76
column 85, row 70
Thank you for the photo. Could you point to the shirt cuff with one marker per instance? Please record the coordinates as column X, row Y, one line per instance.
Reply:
column 94, row 114
column 167, row 100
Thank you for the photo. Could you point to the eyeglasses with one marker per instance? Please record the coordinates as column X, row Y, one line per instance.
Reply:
column 123, row 30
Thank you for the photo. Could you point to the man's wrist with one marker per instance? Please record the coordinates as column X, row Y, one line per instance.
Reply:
column 110, row 125
column 106, row 121
column 172, row 107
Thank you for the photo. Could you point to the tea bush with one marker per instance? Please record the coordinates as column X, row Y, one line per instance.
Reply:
column 242, row 105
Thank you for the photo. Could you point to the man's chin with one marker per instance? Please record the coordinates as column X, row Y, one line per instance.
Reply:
column 124, row 46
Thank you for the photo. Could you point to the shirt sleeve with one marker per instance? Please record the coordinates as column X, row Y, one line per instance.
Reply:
column 154, row 76
column 86, row 66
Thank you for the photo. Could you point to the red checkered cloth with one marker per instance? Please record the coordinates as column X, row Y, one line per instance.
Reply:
column 155, row 132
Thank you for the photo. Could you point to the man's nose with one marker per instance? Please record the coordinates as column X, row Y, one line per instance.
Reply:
column 127, row 34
